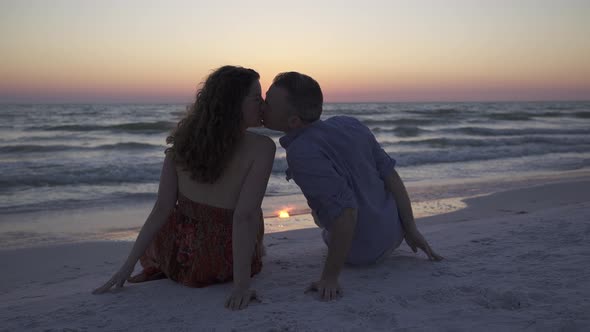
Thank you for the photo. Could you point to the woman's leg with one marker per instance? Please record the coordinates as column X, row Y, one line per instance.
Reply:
column 148, row 274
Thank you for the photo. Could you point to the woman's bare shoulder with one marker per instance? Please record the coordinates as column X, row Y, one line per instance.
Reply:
column 260, row 143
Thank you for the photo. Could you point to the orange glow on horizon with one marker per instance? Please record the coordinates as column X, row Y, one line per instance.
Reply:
column 423, row 51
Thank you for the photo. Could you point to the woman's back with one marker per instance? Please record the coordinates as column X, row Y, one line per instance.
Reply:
column 225, row 191
column 195, row 246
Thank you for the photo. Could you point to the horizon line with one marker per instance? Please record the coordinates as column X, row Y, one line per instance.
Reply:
column 338, row 102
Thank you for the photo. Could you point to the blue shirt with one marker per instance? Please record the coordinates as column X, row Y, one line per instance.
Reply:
column 339, row 164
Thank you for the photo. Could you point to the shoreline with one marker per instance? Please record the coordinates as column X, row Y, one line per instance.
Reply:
column 122, row 223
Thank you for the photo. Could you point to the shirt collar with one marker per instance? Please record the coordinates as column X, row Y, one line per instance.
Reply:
column 286, row 140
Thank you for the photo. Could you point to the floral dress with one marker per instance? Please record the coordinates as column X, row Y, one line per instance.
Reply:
column 194, row 247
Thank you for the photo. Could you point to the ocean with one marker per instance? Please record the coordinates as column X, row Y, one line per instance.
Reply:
column 71, row 156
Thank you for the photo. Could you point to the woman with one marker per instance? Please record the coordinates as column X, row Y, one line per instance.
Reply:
column 206, row 225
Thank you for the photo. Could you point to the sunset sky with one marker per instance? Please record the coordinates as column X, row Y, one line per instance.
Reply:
column 158, row 51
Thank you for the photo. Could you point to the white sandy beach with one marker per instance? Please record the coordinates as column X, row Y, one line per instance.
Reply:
column 515, row 260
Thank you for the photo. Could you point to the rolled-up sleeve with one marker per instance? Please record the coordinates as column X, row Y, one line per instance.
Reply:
column 327, row 192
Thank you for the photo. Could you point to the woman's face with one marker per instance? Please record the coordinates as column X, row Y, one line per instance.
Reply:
column 252, row 106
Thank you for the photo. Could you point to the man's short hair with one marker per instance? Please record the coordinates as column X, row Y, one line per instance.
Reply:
column 304, row 94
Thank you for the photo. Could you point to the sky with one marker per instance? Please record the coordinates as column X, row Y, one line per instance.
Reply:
column 107, row 51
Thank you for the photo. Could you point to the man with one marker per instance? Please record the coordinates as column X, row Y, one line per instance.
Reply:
column 350, row 183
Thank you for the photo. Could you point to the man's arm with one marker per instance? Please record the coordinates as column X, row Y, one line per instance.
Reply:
column 385, row 165
column 394, row 184
column 340, row 242
column 331, row 198
column 413, row 237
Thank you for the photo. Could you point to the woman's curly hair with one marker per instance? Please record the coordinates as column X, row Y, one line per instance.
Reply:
column 205, row 139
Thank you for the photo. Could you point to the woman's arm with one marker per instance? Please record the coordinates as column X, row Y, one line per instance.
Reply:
column 167, row 195
column 246, row 223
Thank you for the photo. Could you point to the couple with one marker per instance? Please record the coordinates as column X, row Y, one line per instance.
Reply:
column 206, row 225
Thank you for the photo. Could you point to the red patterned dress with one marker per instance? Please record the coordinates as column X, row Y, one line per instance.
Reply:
column 194, row 247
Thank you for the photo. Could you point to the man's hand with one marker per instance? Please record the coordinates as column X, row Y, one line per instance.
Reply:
column 415, row 240
column 328, row 290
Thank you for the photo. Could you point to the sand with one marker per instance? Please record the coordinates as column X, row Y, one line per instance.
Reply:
column 515, row 260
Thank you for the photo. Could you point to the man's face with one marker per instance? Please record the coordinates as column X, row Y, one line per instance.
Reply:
column 278, row 111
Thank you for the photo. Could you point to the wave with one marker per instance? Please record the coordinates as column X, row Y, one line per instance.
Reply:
column 398, row 122
column 408, row 131
column 566, row 107
column 123, row 178
column 401, row 131
column 446, row 150
column 525, row 116
column 158, row 126
column 37, row 175
column 582, row 115
column 419, row 158
column 515, row 116
column 436, row 112
column 62, row 204
column 443, row 142
column 120, row 169
column 56, row 148
column 358, row 109
column 128, row 146
column 66, row 175
column 413, row 131
column 483, row 131
column 48, row 174
column 178, row 113
column 550, row 114
column 32, row 148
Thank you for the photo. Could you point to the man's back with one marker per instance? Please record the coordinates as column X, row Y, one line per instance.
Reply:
column 339, row 164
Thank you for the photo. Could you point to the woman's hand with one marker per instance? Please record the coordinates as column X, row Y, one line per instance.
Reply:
column 117, row 280
column 240, row 298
